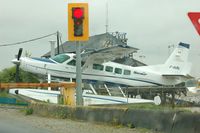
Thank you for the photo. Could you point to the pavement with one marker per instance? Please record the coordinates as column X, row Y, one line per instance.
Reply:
column 13, row 120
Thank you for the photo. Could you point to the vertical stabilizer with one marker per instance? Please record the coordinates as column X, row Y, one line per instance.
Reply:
column 177, row 63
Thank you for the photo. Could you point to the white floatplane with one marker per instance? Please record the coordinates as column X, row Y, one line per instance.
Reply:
column 98, row 66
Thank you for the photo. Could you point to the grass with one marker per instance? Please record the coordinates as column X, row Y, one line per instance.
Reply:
column 144, row 130
column 137, row 106
column 29, row 111
column 148, row 106
column 4, row 94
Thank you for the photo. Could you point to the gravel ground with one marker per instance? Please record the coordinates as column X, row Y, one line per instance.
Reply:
column 194, row 98
column 52, row 125
column 191, row 97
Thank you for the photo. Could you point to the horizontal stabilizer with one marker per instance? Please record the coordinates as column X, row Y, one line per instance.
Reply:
column 187, row 76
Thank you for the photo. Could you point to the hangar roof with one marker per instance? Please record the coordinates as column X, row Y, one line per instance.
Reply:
column 97, row 42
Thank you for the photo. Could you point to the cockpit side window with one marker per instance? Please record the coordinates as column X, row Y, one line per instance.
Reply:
column 61, row 58
column 98, row 67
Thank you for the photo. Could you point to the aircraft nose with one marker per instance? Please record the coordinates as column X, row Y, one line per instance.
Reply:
column 15, row 61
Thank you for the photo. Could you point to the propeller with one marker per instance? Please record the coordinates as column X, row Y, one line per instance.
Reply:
column 19, row 53
column 17, row 62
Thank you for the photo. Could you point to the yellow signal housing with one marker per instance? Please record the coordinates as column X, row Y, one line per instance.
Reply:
column 72, row 23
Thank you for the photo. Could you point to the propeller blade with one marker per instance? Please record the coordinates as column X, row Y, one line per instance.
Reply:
column 19, row 53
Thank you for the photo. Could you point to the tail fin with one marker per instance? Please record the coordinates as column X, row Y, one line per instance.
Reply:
column 177, row 63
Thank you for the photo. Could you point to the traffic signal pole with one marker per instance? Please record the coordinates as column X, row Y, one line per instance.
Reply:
column 78, row 31
column 79, row 99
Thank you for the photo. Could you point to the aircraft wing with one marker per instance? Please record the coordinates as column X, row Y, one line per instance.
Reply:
column 106, row 54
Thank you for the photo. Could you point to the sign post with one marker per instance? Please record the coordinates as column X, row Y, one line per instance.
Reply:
column 78, row 31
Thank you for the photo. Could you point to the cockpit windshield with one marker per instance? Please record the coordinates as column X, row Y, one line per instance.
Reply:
column 60, row 58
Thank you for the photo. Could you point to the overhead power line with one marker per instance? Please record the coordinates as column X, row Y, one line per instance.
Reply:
column 31, row 40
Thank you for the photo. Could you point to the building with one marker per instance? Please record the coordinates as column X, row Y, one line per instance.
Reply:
column 97, row 42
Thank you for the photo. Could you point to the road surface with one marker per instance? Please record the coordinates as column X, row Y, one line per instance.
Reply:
column 14, row 121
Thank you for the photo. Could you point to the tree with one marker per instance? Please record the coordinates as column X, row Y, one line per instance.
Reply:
column 8, row 75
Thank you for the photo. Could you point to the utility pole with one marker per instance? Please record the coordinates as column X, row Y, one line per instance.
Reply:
column 52, row 55
column 52, row 48
column 58, row 37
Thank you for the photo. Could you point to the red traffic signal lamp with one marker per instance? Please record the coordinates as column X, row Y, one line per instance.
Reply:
column 78, row 16
column 78, row 22
column 77, row 13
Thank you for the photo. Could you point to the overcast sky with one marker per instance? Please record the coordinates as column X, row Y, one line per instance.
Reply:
column 151, row 25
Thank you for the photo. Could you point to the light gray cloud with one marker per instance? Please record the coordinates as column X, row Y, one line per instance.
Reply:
column 151, row 25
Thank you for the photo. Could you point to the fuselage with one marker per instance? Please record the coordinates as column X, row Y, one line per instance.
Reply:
column 65, row 66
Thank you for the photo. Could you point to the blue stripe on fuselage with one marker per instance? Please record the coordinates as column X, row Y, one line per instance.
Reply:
column 103, row 98
column 93, row 97
column 40, row 92
column 140, row 80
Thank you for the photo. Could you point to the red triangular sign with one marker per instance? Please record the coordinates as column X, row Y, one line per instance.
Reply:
column 195, row 18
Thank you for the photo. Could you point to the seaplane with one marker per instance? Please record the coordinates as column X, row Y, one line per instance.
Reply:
column 97, row 66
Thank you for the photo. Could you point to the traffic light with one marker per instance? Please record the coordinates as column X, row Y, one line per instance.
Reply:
column 78, row 22
column 78, row 16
